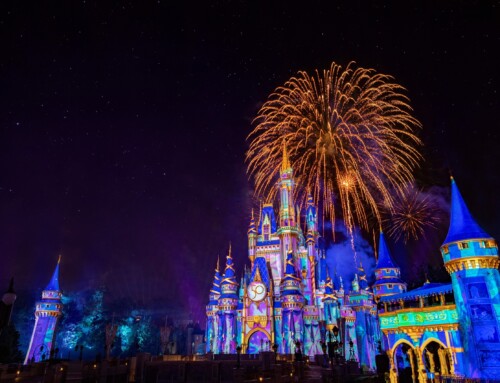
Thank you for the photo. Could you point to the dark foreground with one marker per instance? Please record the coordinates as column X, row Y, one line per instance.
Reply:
column 264, row 367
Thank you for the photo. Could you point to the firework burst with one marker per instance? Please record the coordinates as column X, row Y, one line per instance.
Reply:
column 411, row 214
column 351, row 139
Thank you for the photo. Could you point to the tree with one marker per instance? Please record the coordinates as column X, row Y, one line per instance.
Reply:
column 9, row 345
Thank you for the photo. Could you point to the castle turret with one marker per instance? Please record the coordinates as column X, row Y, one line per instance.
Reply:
column 47, row 314
column 292, row 302
column 312, row 237
column 363, row 282
column 387, row 274
column 228, row 304
column 331, row 308
column 252, row 239
column 288, row 232
column 471, row 257
column 213, row 325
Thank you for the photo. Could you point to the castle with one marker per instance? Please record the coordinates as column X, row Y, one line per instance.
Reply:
column 287, row 298
column 288, row 301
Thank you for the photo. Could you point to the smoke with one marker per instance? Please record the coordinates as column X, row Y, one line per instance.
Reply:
column 340, row 255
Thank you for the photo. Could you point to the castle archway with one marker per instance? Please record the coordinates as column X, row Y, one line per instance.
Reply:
column 436, row 359
column 258, row 341
column 404, row 362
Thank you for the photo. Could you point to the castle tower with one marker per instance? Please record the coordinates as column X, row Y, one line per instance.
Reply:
column 252, row 239
column 471, row 257
column 387, row 274
column 228, row 304
column 287, row 232
column 331, row 309
column 292, row 303
column 312, row 257
column 213, row 325
column 47, row 314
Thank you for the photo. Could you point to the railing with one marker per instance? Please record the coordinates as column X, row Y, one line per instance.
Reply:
column 459, row 379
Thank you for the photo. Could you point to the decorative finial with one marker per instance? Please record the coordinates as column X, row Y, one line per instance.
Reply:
column 229, row 253
column 285, row 165
column 59, row 260
column 217, row 267
column 426, row 279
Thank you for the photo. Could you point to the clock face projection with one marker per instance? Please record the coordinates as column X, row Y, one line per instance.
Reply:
column 256, row 291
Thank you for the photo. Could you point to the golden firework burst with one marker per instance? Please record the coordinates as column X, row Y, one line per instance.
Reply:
column 350, row 135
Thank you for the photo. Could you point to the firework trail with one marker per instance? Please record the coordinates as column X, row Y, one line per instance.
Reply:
column 351, row 140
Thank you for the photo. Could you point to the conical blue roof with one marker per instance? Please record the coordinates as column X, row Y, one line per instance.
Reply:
column 290, row 284
column 215, row 290
column 462, row 225
column 251, row 227
column 229, row 275
column 228, row 284
column 290, row 267
column 54, row 281
column 384, row 256
column 328, row 288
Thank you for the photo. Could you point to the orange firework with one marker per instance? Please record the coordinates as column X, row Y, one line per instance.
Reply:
column 411, row 214
column 350, row 135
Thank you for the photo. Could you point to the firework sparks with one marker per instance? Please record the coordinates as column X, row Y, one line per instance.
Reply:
column 350, row 135
column 411, row 214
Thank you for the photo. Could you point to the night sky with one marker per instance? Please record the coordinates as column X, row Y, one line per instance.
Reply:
column 123, row 128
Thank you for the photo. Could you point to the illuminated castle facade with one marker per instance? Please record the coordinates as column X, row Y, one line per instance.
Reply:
column 47, row 314
column 448, row 329
column 287, row 298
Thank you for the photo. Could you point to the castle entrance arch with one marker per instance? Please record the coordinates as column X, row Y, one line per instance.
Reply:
column 436, row 359
column 257, row 342
column 405, row 363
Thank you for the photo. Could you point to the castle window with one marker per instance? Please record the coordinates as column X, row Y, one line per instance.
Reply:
column 446, row 249
column 266, row 232
column 463, row 245
column 390, row 286
column 487, row 244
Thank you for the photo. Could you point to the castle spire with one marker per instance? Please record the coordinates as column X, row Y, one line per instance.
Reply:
column 215, row 290
column 228, row 284
column 251, row 227
column 285, row 164
column 462, row 224
column 54, row 281
column 387, row 273
column 384, row 260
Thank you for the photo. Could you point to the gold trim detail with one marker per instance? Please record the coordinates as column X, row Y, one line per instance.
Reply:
column 418, row 310
column 468, row 263
column 418, row 331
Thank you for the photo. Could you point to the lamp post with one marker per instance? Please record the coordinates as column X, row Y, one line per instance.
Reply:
column 336, row 343
column 298, row 351
column 352, row 357
column 6, row 304
column 238, row 356
column 275, row 349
